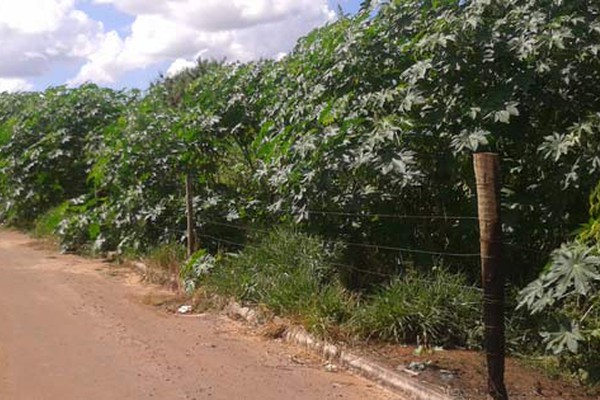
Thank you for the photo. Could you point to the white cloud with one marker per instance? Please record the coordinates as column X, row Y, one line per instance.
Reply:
column 135, row 7
column 33, row 16
column 14, row 85
column 178, row 30
column 39, row 36
column 217, row 15
column 97, row 68
column 180, row 65
column 36, row 35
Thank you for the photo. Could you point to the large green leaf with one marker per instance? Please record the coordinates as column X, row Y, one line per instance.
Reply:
column 575, row 267
column 567, row 338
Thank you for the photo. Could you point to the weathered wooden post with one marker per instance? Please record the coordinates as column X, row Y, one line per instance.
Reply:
column 487, row 175
column 189, row 205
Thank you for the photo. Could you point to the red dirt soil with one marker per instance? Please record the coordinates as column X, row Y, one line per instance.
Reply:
column 72, row 328
column 462, row 374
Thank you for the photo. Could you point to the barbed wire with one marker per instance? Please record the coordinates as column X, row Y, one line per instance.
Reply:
column 407, row 250
column 351, row 267
column 389, row 275
column 382, row 247
column 393, row 216
column 227, row 241
column 360, row 245
column 239, row 227
column 390, row 248
column 527, row 249
column 366, row 271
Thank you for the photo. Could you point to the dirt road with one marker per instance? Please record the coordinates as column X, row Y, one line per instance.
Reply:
column 76, row 329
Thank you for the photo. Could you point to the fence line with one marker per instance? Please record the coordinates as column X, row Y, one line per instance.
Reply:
column 351, row 267
column 217, row 239
column 394, row 216
column 360, row 245
column 526, row 249
column 386, row 275
column 406, row 250
column 239, row 227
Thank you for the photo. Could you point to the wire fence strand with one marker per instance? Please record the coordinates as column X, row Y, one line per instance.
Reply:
column 359, row 245
column 349, row 267
column 526, row 249
column 239, row 227
column 393, row 216
column 226, row 241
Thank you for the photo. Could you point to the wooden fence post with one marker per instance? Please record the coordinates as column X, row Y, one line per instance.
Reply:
column 487, row 175
column 189, row 205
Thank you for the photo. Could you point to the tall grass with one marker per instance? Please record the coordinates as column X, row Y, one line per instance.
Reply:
column 164, row 263
column 292, row 275
column 438, row 308
column 289, row 273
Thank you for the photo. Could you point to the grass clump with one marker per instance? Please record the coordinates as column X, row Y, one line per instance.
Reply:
column 289, row 273
column 434, row 309
column 48, row 223
column 163, row 264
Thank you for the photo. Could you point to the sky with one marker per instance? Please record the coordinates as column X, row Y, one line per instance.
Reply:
column 128, row 43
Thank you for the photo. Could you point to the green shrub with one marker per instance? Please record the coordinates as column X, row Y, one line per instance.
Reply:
column 567, row 299
column 79, row 229
column 48, row 144
column 434, row 309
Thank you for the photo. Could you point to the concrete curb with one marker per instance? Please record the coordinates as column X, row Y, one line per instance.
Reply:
column 403, row 385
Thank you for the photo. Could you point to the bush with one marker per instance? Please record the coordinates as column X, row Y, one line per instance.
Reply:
column 80, row 229
column 567, row 297
column 434, row 309
column 48, row 145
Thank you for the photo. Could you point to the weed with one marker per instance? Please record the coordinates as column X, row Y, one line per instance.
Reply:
column 163, row 264
column 47, row 224
column 290, row 274
column 194, row 268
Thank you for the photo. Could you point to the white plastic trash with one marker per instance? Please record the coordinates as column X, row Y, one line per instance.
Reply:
column 185, row 309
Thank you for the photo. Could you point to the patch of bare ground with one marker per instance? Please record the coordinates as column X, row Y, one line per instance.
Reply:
column 463, row 373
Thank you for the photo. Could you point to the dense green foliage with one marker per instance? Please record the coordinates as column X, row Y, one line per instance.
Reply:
column 52, row 143
column 567, row 296
column 370, row 119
